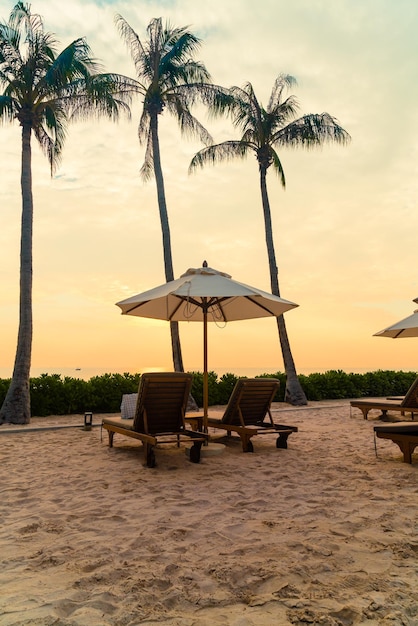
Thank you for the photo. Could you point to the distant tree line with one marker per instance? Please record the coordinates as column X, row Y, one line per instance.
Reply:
column 53, row 394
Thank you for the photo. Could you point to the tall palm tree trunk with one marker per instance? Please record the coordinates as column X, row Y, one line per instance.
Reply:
column 165, row 227
column 16, row 406
column 294, row 393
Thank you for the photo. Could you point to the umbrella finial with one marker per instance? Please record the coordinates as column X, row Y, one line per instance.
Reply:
column 204, row 264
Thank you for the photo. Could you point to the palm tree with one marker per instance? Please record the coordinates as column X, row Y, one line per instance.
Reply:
column 168, row 78
column 42, row 90
column 264, row 130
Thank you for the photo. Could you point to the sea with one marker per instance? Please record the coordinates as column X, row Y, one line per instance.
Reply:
column 85, row 373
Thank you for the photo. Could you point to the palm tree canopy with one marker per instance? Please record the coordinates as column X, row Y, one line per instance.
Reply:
column 168, row 78
column 265, row 129
column 43, row 89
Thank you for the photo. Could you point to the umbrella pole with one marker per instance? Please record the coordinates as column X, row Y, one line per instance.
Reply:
column 205, row 368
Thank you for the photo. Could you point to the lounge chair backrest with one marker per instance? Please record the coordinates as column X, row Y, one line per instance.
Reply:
column 411, row 398
column 162, row 401
column 253, row 396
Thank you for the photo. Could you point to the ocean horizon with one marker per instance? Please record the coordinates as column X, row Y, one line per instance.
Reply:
column 85, row 373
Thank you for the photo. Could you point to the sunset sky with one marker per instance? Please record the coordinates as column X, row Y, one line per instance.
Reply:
column 345, row 228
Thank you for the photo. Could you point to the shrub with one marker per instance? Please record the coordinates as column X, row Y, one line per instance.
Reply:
column 105, row 392
column 48, row 395
column 225, row 387
column 197, row 388
column 332, row 384
column 4, row 385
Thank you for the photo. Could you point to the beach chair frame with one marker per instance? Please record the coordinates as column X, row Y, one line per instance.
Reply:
column 159, row 415
column 248, row 413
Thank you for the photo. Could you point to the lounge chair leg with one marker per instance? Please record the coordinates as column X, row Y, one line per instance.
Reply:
column 281, row 441
column 247, row 444
column 111, row 434
column 195, row 452
column 407, row 453
column 149, row 455
column 406, row 449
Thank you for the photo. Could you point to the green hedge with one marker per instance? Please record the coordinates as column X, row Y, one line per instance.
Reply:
column 52, row 394
column 337, row 384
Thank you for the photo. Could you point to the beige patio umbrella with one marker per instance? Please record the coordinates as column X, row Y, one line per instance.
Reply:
column 407, row 327
column 205, row 295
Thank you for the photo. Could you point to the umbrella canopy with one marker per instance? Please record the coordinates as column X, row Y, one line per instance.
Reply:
column 204, row 294
column 407, row 327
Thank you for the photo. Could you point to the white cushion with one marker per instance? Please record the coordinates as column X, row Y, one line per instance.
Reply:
column 128, row 406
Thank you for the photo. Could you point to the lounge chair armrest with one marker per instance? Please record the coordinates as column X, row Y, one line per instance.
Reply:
column 278, row 427
column 194, row 434
column 217, row 423
column 196, row 422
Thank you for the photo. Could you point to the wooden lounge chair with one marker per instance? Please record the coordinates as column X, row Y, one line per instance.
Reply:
column 159, row 415
column 404, row 434
column 247, row 409
column 409, row 404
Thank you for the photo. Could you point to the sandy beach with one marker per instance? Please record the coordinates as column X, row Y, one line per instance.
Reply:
column 321, row 533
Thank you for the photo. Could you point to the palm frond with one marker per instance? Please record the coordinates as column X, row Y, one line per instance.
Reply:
column 311, row 130
column 72, row 63
column 282, row 82
column 179, row 45
column 190, row 93
column 144, row 126
column 7, row 108
column 50, row 146
column 9, row 43
column 99, row 95
column 251, row 137
column 147, row 169
column 277, row 167
column 281, row 113
column 21, row 19
column 189, row 125
column 217, row 153
column 132, row 41
column 10, row 56
column 188, row 72
column 219, row 100
column 246, row 110
column 157, row 38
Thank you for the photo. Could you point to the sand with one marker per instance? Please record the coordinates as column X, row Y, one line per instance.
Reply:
column 321, row 533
